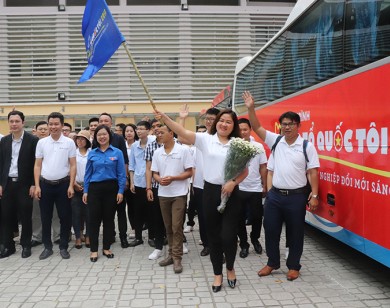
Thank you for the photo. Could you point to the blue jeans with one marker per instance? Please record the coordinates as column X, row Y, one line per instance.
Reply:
column 57, row 194
column 290, row 209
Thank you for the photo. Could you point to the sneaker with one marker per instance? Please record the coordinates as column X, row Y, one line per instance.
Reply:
column 287, row 251
column 157, row 253
column 185, row 248
column 188, row 229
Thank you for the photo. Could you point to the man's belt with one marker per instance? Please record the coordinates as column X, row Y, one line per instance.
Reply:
column 55, row 182
column 13, row 179
column 286, row 192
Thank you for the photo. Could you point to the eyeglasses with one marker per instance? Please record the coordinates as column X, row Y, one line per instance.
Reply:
column 210, row 119
column 290, row 124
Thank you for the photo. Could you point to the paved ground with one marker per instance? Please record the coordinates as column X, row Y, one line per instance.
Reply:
column 333, row 275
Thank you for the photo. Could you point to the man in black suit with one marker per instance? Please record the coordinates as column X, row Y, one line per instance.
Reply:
column 17, row 157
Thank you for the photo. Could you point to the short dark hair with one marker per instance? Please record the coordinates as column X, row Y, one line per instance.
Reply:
column 236, row 128
column 153, row 121
column 106, row 114
column 40, row 123
column 245, row 121
column 16, row 112
column 291, row 116
column 213, row 111
column 201, row 126
column 144, row 123
column 96, row 132
column 134, row 128
column 121, row 125
column 68, row 125
column 55, row 115
column 93, row 120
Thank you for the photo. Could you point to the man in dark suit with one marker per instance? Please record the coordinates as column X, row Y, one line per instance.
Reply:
column 17, row 157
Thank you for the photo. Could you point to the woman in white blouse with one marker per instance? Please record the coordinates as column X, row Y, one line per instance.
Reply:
column 221, row 228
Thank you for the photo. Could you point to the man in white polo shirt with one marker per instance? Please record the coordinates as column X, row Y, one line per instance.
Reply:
column 287, row 198
column 251, row 193
column 54, row 175
column 172, row 167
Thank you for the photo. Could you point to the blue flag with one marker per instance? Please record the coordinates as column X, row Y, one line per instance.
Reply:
column 101, row 35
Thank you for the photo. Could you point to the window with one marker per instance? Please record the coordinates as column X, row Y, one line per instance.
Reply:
column 31, row 2
column 83, row 2
column 367, row 35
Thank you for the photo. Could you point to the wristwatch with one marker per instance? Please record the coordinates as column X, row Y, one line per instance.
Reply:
column 315, row 196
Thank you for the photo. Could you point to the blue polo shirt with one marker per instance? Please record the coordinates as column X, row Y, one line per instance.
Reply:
column 105, row 166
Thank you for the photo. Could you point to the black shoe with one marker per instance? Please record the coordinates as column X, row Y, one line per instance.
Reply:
column 64, row 254
column 93, row 259
column 244, row 252
column 26, row 252
column 258, row 247
column 151, row 243
column 205, row 252
column 124, row 242
column 45, row 254
column 217, row 288
column 136, row 242
column 232, row 283
column 108, row 255
column 35, row 243
column 57, row 241
column 6, row 252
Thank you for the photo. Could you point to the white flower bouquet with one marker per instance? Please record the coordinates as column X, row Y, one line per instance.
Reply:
column 238, row 157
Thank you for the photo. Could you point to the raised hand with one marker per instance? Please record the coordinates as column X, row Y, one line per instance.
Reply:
column 248, row 99
column 184, row 111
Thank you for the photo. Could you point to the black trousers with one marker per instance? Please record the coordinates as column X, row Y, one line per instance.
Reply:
column 198, row 202
column 251, row 204
column 102, row 205
column 58, row 195
column 191, row 210
column 16, row 204
column 222, row 229
column 141, row 207
column 290, row 209
column 122, row 218
column 157, row 222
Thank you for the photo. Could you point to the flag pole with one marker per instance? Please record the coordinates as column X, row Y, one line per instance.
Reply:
column 139, row 76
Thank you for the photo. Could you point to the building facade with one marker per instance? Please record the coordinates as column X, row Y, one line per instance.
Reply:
column 186, row 52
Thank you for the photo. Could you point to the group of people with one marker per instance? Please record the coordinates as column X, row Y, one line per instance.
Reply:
column 147, row 171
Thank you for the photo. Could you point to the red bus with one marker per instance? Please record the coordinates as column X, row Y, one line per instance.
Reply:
column 331, row 64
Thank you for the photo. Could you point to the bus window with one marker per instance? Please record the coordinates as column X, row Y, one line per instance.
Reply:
column 367, row 32
column 314, row 46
